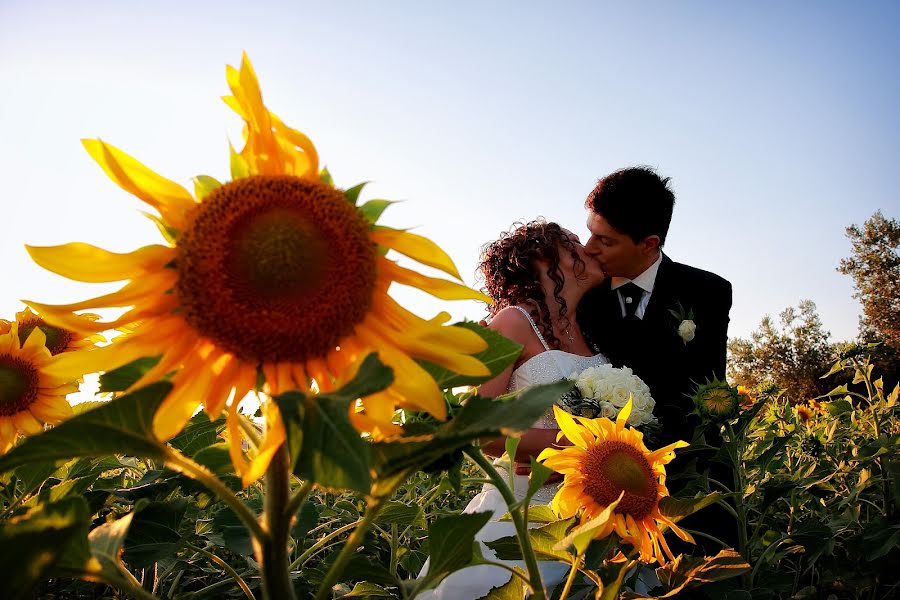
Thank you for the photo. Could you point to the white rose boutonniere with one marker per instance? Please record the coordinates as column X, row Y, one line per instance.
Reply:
column 686, row 328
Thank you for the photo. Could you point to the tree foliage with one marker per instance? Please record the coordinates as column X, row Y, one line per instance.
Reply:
column 793, row 354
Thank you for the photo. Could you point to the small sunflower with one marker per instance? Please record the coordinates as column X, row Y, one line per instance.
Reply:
column 804, row 413
column 30, row 394
column 746, row 396
column 276, row 271
column 717, row 401
column 58, row 339
column 608, row 463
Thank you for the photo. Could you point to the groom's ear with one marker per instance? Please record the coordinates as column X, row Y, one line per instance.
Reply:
column 650, row 243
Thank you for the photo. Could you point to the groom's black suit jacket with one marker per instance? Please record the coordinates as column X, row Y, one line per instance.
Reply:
column 652, row 348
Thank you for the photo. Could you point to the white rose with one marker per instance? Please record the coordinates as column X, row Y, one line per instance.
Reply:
column 686, row 330
column 608, row 410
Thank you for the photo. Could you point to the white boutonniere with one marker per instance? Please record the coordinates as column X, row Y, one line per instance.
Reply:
column 686, row 328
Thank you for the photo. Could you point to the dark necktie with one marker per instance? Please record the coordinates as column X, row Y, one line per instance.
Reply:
column 631, row 295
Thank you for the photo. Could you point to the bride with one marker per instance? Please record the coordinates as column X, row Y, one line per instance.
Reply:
column 536, row 274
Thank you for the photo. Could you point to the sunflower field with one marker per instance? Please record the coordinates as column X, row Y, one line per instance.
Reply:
column 271, row 424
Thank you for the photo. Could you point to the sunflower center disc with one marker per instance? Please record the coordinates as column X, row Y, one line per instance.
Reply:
column 613, row 467
column 57, row 339
column 719, row 402
column 276, row 268
column 18, row 385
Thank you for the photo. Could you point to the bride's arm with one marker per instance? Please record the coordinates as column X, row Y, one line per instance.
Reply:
column 510, row 324
column 531, row 444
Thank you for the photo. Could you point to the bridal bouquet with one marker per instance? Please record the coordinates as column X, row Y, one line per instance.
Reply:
column 603, row 390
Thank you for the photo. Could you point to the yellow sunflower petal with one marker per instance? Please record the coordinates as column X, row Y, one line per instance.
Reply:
column 623, row 415
column 416, row 247
column 275, row 436
column 189, row 389
column 576, row 434
column 439, row 288
column 666, row 453
column 25, row 422
column 83, row 262
column 170, row 199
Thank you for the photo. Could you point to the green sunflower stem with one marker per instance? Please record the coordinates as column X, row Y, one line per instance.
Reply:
column 531, row 563
column 737, row 453
column 272, row 551
column 353, row 542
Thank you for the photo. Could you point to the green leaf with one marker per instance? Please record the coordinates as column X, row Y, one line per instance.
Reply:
column 322, row 442
column 451, row 549
column 544, row 541
column 398, row 513
column 775, row 490
column 539, row 475
column 352, row 194
column 676, row 509
column 307, row 517
column 500, row 353
column 838, row 407
column 106, row 541
column 32, row 475
column 48, row 538
column 882, row 445
column 514, row 589
column 199, row 433
column 366, row 589
column 373, row 209
column 835, row 368
column 153, row 534
column 121, row 426
column 229, row 531
column 880, row 538
column 122, row 378
column 204, row 185
column 478, row 418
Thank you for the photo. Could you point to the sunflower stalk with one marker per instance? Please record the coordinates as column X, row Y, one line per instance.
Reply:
column 736, row 452
column 534, row 572
column 353, row 542
column 272, row 551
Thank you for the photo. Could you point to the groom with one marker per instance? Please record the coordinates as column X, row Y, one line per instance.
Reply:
column 667, row 321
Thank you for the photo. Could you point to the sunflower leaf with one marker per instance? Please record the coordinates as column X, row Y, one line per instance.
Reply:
column 678, row 508
column 153, row 533
column 455, row 550
column 500, row 353
column 50, row 538
column 478, row 418
column 121, row 426
column 322, row 442
column 122, row 378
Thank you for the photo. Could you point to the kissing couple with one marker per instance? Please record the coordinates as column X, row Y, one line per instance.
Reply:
column 615, row 299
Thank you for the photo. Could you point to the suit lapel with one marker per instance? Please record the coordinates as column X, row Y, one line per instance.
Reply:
column 656, row 315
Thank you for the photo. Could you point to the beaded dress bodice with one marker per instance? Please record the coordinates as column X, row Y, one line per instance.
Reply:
column 547, row 367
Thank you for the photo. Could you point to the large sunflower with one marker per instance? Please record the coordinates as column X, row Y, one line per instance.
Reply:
column 29, row 394
column 607, row 461
column 58, row 340
column 276, row 271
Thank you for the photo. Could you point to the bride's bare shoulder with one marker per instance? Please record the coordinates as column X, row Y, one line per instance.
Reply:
column 512, row 323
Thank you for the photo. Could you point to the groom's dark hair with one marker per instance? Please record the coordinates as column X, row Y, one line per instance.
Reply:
column 636, row 201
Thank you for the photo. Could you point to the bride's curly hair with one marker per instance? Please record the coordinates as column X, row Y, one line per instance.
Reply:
column 510, row 271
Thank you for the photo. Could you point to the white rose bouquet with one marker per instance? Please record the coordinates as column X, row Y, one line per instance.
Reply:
column 603, row 391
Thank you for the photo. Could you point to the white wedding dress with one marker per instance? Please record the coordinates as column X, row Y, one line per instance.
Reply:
column 476, row 581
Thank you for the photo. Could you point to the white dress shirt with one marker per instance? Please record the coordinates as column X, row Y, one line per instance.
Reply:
column 645, row 281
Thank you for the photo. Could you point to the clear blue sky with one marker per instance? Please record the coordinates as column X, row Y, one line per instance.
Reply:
column 777, row 121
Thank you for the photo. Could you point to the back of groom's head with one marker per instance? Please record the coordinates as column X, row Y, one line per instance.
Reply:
column 636, row 201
